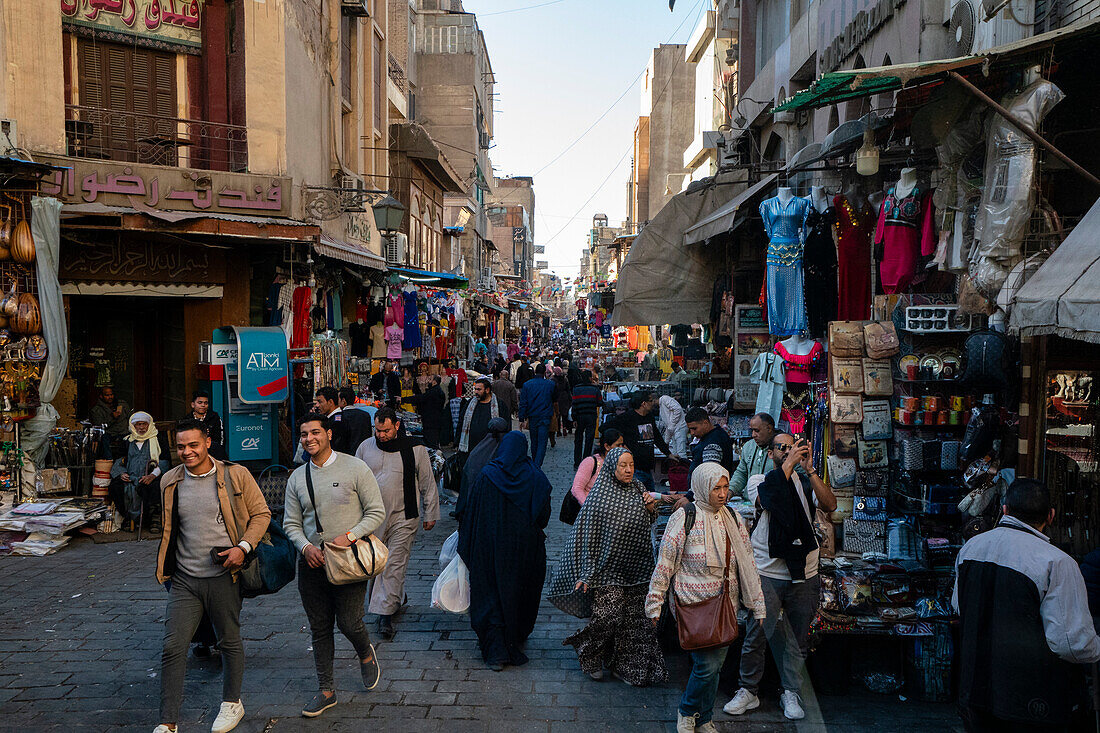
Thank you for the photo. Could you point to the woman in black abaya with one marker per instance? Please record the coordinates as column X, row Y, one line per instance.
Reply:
column 501, row 540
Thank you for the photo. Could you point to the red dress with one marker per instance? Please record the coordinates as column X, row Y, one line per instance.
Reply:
column 906, row 233
column 854, row 260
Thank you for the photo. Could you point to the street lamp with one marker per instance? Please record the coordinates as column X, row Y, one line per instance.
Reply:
column 388, row 215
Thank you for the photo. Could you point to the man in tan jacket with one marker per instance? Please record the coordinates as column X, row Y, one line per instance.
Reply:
column 213, row 516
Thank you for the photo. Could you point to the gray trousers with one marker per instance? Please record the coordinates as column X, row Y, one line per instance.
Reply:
column 789, row 640
column 188, row 599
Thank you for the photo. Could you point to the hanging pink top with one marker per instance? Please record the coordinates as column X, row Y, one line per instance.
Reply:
column 394, row 335
column 799, row 365
column 396, row 311
column 904, row 234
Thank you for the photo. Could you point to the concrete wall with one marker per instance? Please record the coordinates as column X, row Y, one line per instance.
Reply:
column 32, row 88
column 671, row 96
column 265, row 79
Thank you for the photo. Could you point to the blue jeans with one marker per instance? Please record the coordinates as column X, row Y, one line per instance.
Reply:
column 646, row 477
column 540, row 433
column 702, row 685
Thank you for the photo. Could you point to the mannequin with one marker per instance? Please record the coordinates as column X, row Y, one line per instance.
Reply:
column 784, row 218
column 905, row 232
column 855, row 220
column 1032, row 75
column 819, row 199
column 819, row 262
column 798, row 344
column 800, row 354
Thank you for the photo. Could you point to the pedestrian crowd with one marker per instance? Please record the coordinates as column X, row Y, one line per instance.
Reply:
column 367, row 486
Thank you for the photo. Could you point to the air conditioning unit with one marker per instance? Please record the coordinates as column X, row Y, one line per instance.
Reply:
column 395, row 248
column 785, row 116
column 355, row 7
column 977, row 25
column 484, row 140
column 348, row 182
column 8, row 138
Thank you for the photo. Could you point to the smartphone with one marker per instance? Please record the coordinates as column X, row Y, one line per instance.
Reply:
column 214, row 555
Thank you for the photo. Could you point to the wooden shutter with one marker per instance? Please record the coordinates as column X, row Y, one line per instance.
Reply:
column 346, row 56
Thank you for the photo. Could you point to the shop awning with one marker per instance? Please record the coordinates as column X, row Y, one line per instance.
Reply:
column 1063, row 296
column 412, row 139
column 839, row 86
column 722, row 220
column 492, row 306
column 662, row 280
column 214, row 223
column 348, row 252
column 432, row 279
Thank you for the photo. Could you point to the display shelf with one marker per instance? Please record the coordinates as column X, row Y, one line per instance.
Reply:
column 945, row 428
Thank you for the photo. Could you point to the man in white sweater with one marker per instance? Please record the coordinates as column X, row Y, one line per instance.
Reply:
column 409, row 491
column 333, row 498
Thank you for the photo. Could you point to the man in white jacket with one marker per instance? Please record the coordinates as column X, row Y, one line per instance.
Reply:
column 674, row 429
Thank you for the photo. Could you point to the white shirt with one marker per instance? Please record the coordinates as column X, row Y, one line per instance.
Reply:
column 774, row 567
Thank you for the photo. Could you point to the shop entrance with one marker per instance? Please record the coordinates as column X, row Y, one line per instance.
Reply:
column 134, row 344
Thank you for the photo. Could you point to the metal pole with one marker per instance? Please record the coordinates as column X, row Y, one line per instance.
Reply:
column 1034, row 136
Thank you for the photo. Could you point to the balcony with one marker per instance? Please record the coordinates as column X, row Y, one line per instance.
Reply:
column 397, row 74
column 107, row 134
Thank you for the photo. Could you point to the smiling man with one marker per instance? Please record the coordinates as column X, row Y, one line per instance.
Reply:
column 214, row 514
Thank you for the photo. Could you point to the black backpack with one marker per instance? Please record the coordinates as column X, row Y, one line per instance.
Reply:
column 989, row 361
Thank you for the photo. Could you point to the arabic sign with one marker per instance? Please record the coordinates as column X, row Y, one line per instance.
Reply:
column 174, row 21
column 86, row 181
column 857, row 31
column 114, row 261
column 262, row 368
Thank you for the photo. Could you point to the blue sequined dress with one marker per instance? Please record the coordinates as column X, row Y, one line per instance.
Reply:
column 786, row 301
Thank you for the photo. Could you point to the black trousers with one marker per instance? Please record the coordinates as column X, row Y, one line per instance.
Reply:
column 329, row 605
column 583, row 440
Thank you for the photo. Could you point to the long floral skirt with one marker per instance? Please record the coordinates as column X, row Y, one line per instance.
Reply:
column 619, row 637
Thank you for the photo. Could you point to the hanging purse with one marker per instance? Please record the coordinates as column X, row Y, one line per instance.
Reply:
column 846, row 409
column 711, row 623
column 880, row 338
column 847, row 375
column 878, row 378
column 364, row 559
column 846, row 338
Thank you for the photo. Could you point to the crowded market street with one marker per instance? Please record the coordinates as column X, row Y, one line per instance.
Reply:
column 90, row 661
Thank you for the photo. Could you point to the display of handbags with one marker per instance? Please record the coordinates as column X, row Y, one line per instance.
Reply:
column 863, row 535
column 869, row 507
column 847, row 375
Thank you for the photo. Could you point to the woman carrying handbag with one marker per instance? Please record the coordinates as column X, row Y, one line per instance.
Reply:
column 707, row 559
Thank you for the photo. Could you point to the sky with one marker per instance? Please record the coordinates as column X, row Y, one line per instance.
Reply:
column 560, row 65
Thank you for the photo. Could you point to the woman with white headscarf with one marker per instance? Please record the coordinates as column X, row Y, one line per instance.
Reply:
column 673, row 426
column 693, row 563
column 135, row 478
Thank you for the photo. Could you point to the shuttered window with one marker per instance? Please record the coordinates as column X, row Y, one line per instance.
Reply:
column 346, row 41
column 129, row 100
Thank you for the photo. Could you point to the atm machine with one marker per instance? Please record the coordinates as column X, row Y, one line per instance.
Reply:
column 248, row 377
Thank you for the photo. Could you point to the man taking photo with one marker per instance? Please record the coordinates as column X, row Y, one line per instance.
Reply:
column 213, row 515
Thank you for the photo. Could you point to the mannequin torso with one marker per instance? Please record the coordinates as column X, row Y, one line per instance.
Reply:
column 785, row 195
column 818, row 198
column 906, row 183
column 798, row 344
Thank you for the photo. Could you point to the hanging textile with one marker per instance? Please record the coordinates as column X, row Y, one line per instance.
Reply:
column 303, row 321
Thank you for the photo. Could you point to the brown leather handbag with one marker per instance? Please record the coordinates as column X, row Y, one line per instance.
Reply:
column 711, row 623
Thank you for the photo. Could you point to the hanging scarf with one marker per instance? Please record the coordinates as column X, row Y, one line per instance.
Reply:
column 149, row 435
column 404, row 445
column 494, row 411
column 610, row 543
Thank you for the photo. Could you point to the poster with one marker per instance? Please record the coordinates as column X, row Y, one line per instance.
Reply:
column 751, row 340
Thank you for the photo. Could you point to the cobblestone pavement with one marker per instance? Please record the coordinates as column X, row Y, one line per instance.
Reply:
column 80, row 642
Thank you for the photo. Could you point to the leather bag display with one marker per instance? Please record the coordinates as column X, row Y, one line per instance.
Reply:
column 711, row 623
column 880, row 339
column 847, row 375
column 362, row 560
column 846, row 338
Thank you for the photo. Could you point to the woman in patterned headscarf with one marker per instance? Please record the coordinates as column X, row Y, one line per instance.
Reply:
column 603, row 574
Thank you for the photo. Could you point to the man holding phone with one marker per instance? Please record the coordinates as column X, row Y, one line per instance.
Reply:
column 214, row 514
column 786, row 552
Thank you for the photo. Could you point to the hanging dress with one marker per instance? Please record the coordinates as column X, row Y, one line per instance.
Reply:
column 411, row 321
column 819, row 269
column 904, row 234
column 786, row 302
column 854, row 259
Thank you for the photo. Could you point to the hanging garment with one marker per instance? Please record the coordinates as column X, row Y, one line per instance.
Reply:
column 377, row 341
column 394, row 335
column 783, row 224
column 904, row 234
column 769, row 371
column 412, row 321
column 396, row 311
column 854, row 229
column 799, row 365
column 819, row 268
column 303, row 322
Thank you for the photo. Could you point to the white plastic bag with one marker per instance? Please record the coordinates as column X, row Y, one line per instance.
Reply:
column 451, row 590
column 450, row 549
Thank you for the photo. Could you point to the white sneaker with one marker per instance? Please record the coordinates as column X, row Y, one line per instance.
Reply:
column 707, row 727
column 162, row 728
column 685, row 724
column 792, row 705
column 229, row 715
column 742, row 702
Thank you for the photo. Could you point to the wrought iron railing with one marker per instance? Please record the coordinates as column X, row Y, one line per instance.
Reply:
column 107, row 134
column 397, row 74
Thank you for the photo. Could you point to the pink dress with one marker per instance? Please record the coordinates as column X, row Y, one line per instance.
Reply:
column 798, row 365
column 904, row 234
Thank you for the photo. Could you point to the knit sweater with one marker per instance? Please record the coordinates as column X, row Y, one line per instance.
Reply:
column 347, row 497
column 683, row 565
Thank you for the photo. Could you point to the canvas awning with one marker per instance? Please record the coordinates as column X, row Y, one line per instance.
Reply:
column 431, row 279
column 349, row 252
column 661, row 279
column 1063, row 296
column 839, row 86
column 721, row 220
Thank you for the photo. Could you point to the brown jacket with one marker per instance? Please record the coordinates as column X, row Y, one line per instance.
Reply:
column 243, row 503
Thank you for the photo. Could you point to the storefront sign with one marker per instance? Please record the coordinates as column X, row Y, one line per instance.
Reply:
column 174, row 21
column 160, row 262
column 358, row 228
column 85, row 181
column 262, row 369
column 857, row 32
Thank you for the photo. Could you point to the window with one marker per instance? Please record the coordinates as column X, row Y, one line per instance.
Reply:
column 379, row 84
column 129, row 99
column 347, row 42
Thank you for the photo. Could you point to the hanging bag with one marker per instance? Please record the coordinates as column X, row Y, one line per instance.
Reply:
column 570, row 507
column 357, row 563
column 273, row 566
column 711, row 623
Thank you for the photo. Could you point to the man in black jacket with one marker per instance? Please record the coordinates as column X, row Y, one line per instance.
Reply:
column 524, row 373
column 202, row 412
column 432, row 408
column 386, row 384
column 355, row 424
column 587, row 400
column 1025, row 630
column 640, row 434
column 786, row 553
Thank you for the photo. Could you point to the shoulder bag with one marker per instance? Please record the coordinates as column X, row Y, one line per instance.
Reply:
column 711, row 623
column 570, row 507
column 362, row 560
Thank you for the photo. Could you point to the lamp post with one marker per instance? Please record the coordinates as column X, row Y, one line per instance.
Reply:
column 388, row 215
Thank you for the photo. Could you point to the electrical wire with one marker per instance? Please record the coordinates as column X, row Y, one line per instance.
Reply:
column 518, row 10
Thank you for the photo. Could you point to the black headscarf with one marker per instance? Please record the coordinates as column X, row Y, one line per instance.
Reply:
column 404, row 445
column 514, row 474
column 482, row 453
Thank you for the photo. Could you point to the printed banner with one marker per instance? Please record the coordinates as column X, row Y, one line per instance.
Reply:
column 171, row 21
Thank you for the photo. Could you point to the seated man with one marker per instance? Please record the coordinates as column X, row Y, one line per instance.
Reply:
column 135, row 478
